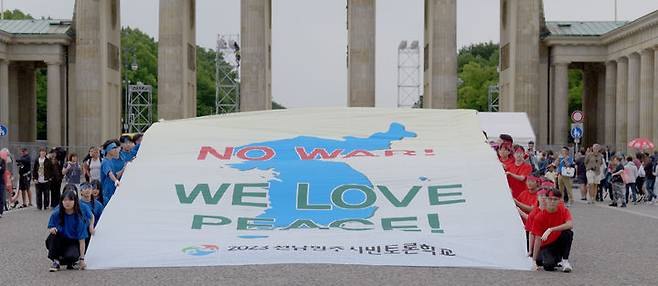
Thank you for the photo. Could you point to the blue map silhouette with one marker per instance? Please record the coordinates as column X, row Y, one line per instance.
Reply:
column 321, row 175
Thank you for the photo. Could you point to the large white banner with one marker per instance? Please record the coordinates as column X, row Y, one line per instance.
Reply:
column 329, row 185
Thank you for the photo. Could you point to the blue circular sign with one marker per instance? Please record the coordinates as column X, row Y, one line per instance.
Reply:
column 3, row 130
column 576, row 132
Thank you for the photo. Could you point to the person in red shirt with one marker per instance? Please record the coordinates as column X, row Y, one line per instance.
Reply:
column 517, row 172
column 541, row 205
column 552, row 229
column 505, row 154
column 527, row 200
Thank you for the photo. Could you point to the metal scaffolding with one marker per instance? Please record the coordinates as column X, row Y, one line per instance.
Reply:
column 140, row 107
column 409, row 81
column 493, row 98
column 227, row 79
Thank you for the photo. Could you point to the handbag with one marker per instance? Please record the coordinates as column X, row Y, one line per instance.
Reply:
column 568, row 172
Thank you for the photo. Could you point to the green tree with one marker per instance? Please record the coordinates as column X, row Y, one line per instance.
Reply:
column 575, row 90
column 477, row 70
column 16, row 15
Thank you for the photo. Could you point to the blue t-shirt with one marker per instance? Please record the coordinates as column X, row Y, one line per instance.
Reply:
column 74, row 227
column 107, row 166
column 135, row 150
column 97, row 209
column 569, row 162
column 127, row 156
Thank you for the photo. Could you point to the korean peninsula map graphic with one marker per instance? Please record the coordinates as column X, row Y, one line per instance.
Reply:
column 321, row 175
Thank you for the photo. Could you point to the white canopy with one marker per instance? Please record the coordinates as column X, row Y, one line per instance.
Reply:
column 515, row 124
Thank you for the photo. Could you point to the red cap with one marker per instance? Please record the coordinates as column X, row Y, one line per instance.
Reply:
column 533, row 178
column 542, row 192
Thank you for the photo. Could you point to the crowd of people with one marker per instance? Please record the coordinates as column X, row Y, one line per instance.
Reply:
column 542, row 184
column 76, row 191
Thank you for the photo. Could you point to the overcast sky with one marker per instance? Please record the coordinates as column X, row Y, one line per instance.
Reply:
column 310, row 38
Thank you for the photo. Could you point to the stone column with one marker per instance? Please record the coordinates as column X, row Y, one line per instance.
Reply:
column 633, row 113
column 600, row 104
column 655, row 95
column 98, row 72
column 256, row 53
column 646, row 94
column 441, row 54
column 4, row 101
column 610, row 110
column 589, row 102
column 177, row 59
column 561, row 99
column 23, row 84
column 621, row 103
column 361, row 26
column 54, row 124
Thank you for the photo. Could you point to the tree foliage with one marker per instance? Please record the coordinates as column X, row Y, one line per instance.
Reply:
column 477, row 70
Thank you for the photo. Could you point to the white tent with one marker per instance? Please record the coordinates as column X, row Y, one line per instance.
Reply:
column 515, row 124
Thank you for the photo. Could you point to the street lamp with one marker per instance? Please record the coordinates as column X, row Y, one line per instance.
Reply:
column 128, row 52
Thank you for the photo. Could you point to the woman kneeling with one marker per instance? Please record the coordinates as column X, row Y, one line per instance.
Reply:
column 68, row 229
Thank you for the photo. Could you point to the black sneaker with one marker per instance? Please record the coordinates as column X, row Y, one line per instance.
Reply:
column 613, row 205
column 54, row 267
column 623, row 205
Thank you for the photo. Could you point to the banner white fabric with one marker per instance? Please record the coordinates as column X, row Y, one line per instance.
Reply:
column 324, row 185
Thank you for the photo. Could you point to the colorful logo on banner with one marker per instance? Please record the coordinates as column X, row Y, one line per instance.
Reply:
column 201, row 250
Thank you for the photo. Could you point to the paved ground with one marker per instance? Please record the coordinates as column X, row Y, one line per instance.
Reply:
column 611, row 247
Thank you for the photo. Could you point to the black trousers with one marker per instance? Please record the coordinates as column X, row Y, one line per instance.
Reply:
column 43, row 195
column 62, row 248
column 55, row 188
column 552, row 254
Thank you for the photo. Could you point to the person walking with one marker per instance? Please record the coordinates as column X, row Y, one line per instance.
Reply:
column 3, row 194
column 631, row 172
column 565, row 171
column 617, row 182
column 24, row 172
column 42, row 174
column 56, row 182
column 593, row 163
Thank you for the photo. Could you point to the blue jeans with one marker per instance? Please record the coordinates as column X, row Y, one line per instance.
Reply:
column 632, row 189
column 650, row 189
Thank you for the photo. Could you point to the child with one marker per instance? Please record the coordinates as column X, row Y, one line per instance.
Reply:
column 551, row 174
column 96, row 192
column 551, row 228
column 68, row 230
column 541, row 205
column 86, row 198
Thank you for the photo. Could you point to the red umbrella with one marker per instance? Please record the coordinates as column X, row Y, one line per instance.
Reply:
column 641, row 144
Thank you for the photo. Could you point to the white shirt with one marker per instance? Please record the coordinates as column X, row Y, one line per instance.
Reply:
column 94, row 169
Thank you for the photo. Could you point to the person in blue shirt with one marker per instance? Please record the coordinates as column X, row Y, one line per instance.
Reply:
column 86, row 199
column 137, row 139
column 564, row 182
column 111, row 171
column 68, row 228
column 127, row 145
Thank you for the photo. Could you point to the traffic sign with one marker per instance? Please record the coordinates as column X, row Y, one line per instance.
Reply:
column 576, row 132
column 577, row 116
column 3, row 130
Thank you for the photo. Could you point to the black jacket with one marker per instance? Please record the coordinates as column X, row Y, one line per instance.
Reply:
column 47, row 170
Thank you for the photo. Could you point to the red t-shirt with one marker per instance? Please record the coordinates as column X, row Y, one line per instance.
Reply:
column 528, row 198
column 531, row 219
column 515, row 185
column 544, row 220
column 506, row 162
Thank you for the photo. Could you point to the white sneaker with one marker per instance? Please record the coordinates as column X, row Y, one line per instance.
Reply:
column 566, row 267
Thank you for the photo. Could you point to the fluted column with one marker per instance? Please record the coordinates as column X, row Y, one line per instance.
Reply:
column 621, row 103
column 655, row 95
column 610, row 92
column 440, row 79
column 646, row 93
column 54, row 116
column 561, row 99
column 633, row 113
column 361, row 21
column 4, row 100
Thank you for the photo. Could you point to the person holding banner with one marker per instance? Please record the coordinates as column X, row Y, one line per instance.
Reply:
column 68, row 230
column 552, row 229
column 112, row 169
column 517, row 172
